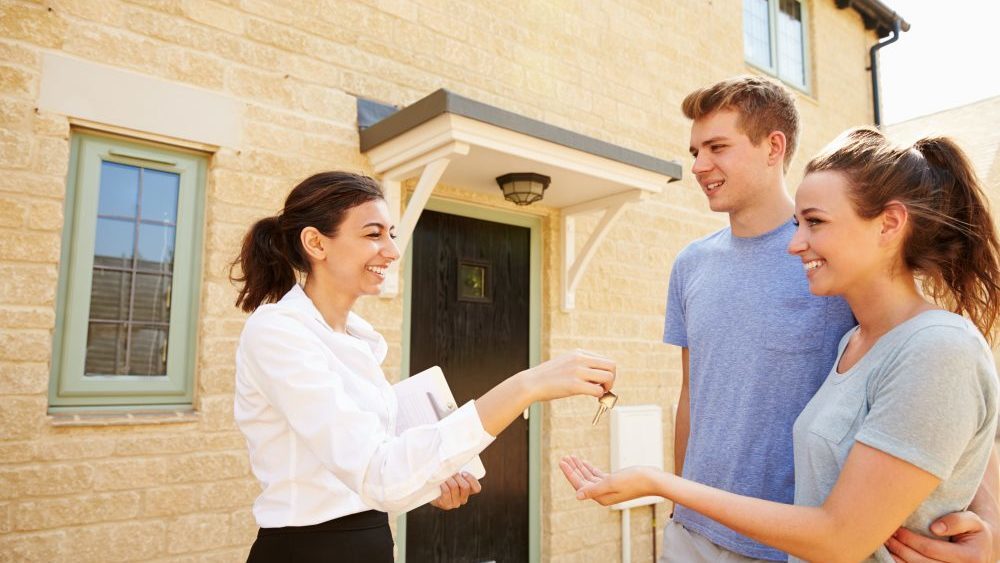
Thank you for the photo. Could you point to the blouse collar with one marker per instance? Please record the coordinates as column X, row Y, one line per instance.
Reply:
column 356, row 326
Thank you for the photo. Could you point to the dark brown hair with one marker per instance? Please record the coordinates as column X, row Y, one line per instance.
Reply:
column 763, row 106
column 951, row 243
column 272, row 255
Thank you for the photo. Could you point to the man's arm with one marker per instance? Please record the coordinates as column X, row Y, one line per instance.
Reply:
column 968, row 537
column 682, row 423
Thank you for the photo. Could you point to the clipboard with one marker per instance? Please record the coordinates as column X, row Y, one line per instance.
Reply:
column 425, row 398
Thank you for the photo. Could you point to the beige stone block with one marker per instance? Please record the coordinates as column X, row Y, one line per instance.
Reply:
column 16, row 452
column 24, row 182
column 216, row 379
column 200, row 69
column 25, row 345
column 27, row 284
column 116, row 47
column 197, row 532
column 6, row 517
column 51, row 156
column 27, row 317
column 15, row 114
column 29, row 246
column 34, row 24
column 277, row 35
column 272, row 87
column 61, row 448
column 231, row 494
column 45, row 215
column 242, row 527
column 170, row 501
column 120, row 541
column 106, row 12
column 206, row 467
column 156, row 444
column 45, row 480
column 46, row 546
column 20, row 378
column 215, row 15
column 84, row 509
column 15, row 149
column 128, row 473
column 20, row 54
column 21, row 417
column 13, row 211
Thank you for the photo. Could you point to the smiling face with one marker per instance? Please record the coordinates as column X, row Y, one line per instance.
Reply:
column 839, row 249
column 731, row 170
column 354, row 261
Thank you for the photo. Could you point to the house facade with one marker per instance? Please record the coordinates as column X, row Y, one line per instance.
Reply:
column 140, row 139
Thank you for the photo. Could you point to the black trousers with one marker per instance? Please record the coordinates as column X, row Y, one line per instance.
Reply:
column 356, row 538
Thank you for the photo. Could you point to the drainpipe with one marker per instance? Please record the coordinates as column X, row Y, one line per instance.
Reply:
column 873, row 53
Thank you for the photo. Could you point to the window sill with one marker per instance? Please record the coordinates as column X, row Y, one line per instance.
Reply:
column 805, row 91
column 120, row 418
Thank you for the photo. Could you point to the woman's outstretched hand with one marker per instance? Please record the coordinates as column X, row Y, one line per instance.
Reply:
column 574, row 373
column 609, row 488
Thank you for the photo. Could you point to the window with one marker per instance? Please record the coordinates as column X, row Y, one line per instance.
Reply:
column 129, row 275
column 774, row 38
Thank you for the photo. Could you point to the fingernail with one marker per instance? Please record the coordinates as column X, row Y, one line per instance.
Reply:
column 580, row 495
column 939, row 528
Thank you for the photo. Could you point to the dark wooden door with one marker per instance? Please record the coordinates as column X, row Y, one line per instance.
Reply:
column 470, row 315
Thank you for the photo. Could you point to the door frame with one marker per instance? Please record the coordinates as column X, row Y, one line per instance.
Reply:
column 534, row 224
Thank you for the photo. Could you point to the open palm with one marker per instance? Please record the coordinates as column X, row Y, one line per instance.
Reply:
column 607, row 488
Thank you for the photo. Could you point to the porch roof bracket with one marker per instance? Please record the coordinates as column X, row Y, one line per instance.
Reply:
column 573, row 265
column 434, row 164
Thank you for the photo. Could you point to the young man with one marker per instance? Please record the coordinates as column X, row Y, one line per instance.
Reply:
column 756, row 345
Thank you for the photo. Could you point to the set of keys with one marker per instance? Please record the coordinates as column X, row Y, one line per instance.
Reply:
column 604, row 404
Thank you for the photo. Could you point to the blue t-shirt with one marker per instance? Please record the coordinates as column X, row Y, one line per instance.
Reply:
column 760, row 346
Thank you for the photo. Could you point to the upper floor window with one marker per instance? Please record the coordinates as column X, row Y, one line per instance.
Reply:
column 129, row 275
column 774, row 38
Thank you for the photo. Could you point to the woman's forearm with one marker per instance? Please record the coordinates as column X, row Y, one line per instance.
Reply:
column 810, row 533
column 499, row 406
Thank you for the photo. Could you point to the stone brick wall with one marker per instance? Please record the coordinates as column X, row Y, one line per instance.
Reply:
column 179, row 489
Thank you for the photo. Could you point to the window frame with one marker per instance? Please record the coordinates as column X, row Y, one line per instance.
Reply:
column 69, row 388
column 773, row 69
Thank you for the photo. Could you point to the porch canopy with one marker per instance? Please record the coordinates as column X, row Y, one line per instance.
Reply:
column 448, row 138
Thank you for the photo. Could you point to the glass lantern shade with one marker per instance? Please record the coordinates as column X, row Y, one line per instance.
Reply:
column 523, row 188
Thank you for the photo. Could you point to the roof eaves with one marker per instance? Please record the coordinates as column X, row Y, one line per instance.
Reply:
column 876, row 15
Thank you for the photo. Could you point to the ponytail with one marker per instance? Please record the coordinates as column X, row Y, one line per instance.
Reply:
column 951, row 243
column 271, row 256
column 966, row 267
column 266, row 272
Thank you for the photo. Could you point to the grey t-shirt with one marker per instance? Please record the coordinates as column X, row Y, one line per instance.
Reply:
column 925, row 393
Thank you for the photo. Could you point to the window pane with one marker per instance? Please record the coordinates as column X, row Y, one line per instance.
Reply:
column 109, row 295
column 119, row 189
column 156, row 247
column 757, row 32
column 791, row 58
column 105, row 349
column 113, row 243
column 149, row 351
column 159, row 195
column 152, row 298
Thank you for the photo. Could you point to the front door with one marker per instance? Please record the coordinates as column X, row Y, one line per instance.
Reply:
column 470, row 315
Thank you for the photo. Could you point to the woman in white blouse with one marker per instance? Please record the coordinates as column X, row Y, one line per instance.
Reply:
column 312, row 401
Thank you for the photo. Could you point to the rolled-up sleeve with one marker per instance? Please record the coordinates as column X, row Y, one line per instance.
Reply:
column 289, row 366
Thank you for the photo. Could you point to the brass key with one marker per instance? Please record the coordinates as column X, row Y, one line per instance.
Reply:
column 604, row 404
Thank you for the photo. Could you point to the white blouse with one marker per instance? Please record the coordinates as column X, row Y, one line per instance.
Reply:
column 319, row 418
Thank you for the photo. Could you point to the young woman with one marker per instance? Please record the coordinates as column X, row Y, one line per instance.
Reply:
column 902, row 430
column 316, row 410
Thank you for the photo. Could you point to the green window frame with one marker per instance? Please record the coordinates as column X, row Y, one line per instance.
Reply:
column 776, row 39
column 70, row 388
